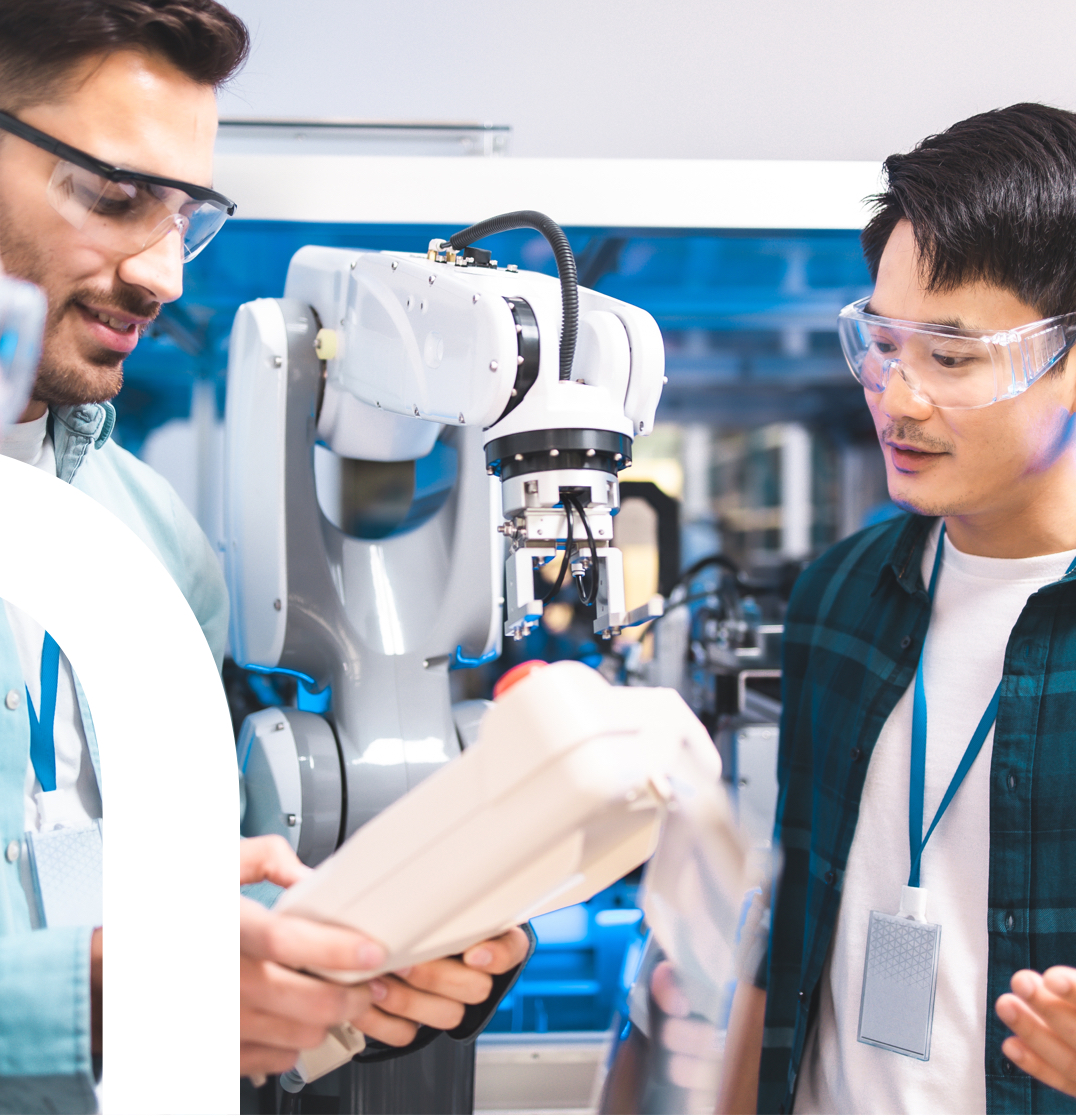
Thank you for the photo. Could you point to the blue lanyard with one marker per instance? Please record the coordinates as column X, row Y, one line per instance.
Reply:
column 42, row 736
column 916, row 786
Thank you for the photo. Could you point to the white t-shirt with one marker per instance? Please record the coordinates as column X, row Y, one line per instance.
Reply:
column 977, row 602
column 76, row 801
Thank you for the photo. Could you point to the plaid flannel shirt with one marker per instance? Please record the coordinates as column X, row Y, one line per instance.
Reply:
column 853, row 633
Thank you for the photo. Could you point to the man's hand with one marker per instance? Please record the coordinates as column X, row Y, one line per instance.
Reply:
column 437, row 992
column 1041, row 1010
column 283, row 1012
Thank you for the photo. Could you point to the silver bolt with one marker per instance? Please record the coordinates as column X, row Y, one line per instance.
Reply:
column 519, row 329
column 493, row 366
column 519, row 359
column 291, row 819
column 511, row 306
column 414, row 407
column 278, row 727
column 590, row 453
column 461, row 419
column 519, row 457
column 277, row 605
column 513, row 267
column 278, row 362
column 514, row 393
column 432, row 278
column 554, row 453
column 354, row 264
column 489, row 470
column 395, row 264
column 618, row 457
column 475, row 297
column 664, row 379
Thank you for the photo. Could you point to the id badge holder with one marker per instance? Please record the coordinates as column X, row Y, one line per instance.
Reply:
column 900, row 977
column 66, row 865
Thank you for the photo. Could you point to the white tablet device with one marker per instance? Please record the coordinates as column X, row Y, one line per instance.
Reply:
column 563, row 794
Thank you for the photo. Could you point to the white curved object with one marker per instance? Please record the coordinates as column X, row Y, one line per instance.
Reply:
column 168, row 786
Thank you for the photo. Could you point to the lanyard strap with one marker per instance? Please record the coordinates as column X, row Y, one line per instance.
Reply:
column 917, row 842
column 42, row 736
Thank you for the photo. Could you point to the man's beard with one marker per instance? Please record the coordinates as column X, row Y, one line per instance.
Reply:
column 92, row 377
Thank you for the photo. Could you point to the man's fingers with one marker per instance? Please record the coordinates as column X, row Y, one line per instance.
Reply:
column 667, row 991
column 396, row 997
column 278, row 1031
column 1057, row 1012
column 269, row 858
column 1039, row 1040
column 499, row 954
column 1023, row 1056
column 302, row 944
column 267, row 987
column 256, row 1060
column 390, row 1029
column 450, row 978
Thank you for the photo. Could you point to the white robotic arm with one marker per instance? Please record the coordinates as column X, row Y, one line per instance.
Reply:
column 413, row 343
column 533, row 387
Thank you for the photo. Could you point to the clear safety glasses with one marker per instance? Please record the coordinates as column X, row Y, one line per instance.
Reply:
column 959, row 369
column 125, row 210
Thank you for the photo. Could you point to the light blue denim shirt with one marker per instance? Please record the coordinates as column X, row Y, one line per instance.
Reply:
column 45, row 1063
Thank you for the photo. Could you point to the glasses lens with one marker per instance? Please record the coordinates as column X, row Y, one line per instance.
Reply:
column 204, row 220
column 130, row 217
column 946, row 370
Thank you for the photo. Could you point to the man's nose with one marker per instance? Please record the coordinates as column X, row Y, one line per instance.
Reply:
column 898, row 400
column 158, row 269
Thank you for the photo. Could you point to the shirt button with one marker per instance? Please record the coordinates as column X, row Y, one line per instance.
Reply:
column 801, row 995
column 12, row 851
column 856, row 754
column 906, row 642
column 1011, row 781
column 12, row 700
column 1010, row 922
column 830, row 876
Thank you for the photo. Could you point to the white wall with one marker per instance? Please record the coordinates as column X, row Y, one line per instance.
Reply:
column 724, row 79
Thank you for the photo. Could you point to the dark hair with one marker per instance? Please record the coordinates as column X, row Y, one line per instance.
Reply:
column 41, row 41
column 992, row 198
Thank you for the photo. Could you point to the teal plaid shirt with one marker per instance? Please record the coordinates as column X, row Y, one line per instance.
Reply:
column 853, row 633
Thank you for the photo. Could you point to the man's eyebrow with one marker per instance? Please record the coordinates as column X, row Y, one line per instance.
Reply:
column 952, row 323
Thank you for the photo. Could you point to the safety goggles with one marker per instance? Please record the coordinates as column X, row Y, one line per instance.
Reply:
column 958, row 369
column 125, row 210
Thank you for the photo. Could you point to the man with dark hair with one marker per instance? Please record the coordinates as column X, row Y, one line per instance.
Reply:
column 107, row 124
column 929, row 861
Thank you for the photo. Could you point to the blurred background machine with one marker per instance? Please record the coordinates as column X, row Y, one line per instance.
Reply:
column 762, row 456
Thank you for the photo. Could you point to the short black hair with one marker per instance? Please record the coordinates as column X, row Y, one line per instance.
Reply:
column 992, row 198
column 42, row 41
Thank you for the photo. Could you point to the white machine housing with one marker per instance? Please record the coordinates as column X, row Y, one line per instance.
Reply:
column 563, row 794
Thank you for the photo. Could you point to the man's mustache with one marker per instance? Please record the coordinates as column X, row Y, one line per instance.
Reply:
column 123, row 300
column 910, row 433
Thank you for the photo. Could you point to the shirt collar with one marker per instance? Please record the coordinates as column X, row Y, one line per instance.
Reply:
column 906, row 557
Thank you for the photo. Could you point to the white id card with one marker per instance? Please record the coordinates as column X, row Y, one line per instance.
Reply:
column 67, row 874
column 900, row 975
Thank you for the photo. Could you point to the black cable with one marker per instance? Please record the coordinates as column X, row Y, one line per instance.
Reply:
column 588, row 597
column 562, row 251
column 565, row 562
column 709, row 560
